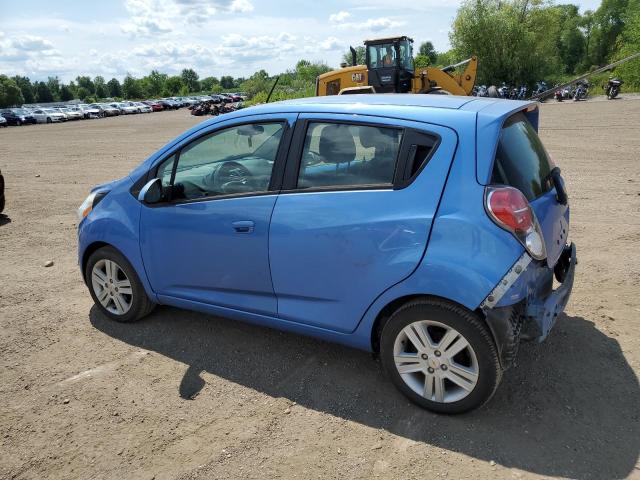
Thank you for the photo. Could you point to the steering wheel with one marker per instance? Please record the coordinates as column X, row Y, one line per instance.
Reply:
column 233, row 177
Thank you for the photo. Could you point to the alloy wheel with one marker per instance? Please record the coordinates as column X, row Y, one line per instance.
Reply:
column 111, row 287
column 436, row 361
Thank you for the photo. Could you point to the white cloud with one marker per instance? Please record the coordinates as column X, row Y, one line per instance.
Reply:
column 241, row 6
column 373, row 24
column 339, row 17
column 154, row 17
column 31, row 43
column 331, row 43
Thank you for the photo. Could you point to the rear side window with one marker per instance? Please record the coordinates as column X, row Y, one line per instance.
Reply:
column 521, row 160
column 343, row 155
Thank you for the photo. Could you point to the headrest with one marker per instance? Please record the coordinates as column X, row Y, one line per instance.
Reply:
column 336, row 144
column 377, row 137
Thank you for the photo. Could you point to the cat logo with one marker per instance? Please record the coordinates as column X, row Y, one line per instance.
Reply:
column 356, row 77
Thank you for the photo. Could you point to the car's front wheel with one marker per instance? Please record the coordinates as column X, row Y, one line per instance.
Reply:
column 441, row 356
column 115, row 286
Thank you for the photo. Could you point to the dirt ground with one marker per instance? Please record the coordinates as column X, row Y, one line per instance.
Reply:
column 185, row 395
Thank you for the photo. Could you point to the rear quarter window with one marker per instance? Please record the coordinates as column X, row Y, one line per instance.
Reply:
column 521, row 160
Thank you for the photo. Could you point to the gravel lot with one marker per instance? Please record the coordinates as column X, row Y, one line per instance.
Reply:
column 185, row 395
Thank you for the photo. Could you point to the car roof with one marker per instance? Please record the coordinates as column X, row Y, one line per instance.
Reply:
column 410, row 106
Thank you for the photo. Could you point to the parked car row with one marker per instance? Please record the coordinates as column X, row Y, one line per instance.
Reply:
column 63, row 113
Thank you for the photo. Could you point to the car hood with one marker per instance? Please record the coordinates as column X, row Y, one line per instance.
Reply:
column 108, row 186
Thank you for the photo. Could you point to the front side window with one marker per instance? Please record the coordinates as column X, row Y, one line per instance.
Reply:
column 336, row 154
column 406, row 55
column 232, row 161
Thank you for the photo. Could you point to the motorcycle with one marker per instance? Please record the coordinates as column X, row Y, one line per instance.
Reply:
column 612, row 88
column 540, row 88
column 522, row 92
column 481, row 91
column 503, row 91
column 581, row 91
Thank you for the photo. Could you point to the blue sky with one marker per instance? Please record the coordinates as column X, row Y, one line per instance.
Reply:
column 41, row 38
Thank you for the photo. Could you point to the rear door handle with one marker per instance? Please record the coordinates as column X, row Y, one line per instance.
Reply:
column 243, row 226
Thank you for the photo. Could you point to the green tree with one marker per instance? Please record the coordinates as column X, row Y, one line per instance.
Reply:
column 444, row 59
column 361, row 56
column 258, row 82
column 515, row 41
column 83, row 93
column 190, row 80
column 65, row 93
column 172, row 86
column 421, row 61
column 101, row 89
column 226, row 82
column 43, row 92
column 131, row 88
column 53, row 83
column 114, row 87
column 427, row 50
column 10, row 93
column 609, row 24
column 587, row 23
column 85, row 82
column 26, row 88
column 207, row 84
column 153, row 84
column 630, row 43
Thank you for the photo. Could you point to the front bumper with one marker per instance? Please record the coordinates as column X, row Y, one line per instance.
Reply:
column 532, row 316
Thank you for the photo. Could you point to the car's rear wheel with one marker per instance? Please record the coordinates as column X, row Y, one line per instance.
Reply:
column 441, row 356
column 115, row 286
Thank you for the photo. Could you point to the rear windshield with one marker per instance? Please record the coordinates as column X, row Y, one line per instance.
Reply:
column 521, row 160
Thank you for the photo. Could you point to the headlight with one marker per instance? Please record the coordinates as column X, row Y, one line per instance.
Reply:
column 89, row 203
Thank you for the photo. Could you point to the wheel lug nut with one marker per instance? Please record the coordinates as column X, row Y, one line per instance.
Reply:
column 443, row 367
column 430, row 370
column 437, row 353
column 424, row 356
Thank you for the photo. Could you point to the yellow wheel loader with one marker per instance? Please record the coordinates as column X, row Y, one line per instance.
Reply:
column 389, row 69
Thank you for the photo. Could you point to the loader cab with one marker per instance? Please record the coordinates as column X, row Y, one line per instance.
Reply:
column 390, row 64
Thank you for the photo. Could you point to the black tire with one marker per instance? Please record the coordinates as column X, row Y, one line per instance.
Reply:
column 49, row 120
column 2, row 201
column 470, row 326
column 18, row 123
column 141, row 305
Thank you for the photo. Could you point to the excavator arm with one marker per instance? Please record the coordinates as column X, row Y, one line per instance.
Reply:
column 432, row 79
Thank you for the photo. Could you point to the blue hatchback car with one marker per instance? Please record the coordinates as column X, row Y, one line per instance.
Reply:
column 427, row 228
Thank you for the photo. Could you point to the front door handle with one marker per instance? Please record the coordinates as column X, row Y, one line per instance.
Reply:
column 243, row 226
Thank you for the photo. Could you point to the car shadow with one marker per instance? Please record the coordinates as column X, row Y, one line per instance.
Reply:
column 4, row 219
column 568, row 408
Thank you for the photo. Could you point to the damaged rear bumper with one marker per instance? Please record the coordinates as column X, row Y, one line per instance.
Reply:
column 524, row 304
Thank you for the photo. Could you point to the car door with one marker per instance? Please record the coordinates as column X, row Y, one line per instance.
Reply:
column 355, row 213
column 39, row 116
column 207, row 241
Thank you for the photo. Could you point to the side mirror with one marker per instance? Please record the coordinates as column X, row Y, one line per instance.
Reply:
column 151, row 192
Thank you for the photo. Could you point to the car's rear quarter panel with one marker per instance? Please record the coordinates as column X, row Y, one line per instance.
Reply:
column 467, row 254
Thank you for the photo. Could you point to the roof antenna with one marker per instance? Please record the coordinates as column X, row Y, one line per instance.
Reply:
column 271, row 91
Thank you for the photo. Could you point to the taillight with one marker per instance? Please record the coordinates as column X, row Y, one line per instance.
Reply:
column 509, row 209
